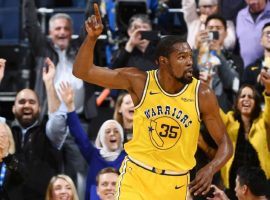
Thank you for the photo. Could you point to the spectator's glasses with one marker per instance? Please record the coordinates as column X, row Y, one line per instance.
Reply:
column 266, row 33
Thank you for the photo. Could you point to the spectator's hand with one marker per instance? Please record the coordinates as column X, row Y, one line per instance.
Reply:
column 203, row 18
column 205, row 77
column 135, row 39
column 2, row 68
column 67, row 95
column 202, row 182
column 4, row 142
column 218, row 194
column 201, row 37
column 265, row 79
column 48, row 71
column 93, row 24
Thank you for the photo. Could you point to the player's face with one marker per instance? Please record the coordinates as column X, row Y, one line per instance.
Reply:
column 246, row 102
column 238, row 189
column 61, row 32
column 26, row 107
column 106, row 186
column 112, row 137
column 180, row 63
column 61, row 190
column 127, row 108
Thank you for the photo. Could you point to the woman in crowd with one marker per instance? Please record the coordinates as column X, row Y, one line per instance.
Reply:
column 109, row 151
column 123, row 113
column 61, row 187
column 249, row 129
column 11, row 168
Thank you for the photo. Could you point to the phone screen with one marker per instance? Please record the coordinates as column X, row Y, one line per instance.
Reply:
column 150, row 35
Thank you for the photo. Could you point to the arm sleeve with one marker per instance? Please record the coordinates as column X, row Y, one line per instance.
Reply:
column 227, row 73
column 31, row 25
column 80, row 136
column 266, row 113
column 120, row 59
column 230, row 40
column 56, row 128
column 190, row 11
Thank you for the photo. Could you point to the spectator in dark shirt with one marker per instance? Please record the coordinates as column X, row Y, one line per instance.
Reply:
column 252, row 72
column 138, row 52
column 38, row 142
column 11, row 167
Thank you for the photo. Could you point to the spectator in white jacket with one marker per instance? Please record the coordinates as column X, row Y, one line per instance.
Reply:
column 195, row 21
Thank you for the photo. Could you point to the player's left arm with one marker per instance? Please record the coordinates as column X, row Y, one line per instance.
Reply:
column 209, row 109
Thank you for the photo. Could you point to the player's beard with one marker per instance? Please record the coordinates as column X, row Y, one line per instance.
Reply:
column 184, row 80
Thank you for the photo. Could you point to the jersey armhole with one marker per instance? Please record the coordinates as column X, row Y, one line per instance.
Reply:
column 197, row 100
column 144, row 91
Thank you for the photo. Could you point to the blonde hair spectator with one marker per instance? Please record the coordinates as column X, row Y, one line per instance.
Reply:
column 11, row 146
column 61, row 182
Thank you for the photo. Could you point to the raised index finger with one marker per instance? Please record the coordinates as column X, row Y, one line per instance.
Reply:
column 97, row 13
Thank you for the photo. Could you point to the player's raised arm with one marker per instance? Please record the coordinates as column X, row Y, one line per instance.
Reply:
column 210, row 115
column 130, row 79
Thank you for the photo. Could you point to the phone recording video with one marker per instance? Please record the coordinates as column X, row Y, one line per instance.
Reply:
column 150, row 35
column 213, row 35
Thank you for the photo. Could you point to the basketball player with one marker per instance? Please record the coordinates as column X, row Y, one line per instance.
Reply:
column 170, row 104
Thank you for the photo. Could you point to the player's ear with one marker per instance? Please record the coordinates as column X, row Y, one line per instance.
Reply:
column 163, row 60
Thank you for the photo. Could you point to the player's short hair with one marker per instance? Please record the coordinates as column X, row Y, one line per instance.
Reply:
column 254, row 178
column 165, row 46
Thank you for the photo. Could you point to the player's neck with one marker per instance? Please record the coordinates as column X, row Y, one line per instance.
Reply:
column 168, row 83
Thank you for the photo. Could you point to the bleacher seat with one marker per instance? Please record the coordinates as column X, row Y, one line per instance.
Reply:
column 10, row 21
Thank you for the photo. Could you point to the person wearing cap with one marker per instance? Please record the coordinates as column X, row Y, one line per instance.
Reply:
column 196, row 21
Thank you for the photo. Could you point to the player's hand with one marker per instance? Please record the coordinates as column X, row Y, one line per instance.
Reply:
column 2, row 68
column 93, row 24
column 202, row 182
column 48, row 71
column 67, row 95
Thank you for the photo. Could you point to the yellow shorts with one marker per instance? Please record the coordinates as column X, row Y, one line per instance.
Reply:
column 138, row 183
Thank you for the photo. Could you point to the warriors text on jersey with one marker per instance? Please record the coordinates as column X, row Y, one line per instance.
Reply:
column 166, row 126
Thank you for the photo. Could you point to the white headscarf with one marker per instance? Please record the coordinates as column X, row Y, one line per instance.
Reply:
column 100, row 141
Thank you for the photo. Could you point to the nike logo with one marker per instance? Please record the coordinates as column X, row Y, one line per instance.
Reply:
column 152, row 93
column 178, row 187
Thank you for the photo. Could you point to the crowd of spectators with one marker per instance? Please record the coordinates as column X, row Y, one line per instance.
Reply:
column 47, row 146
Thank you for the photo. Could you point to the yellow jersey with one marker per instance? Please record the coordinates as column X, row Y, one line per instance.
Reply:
column 166, row 126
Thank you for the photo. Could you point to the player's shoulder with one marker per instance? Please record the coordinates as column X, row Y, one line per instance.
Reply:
column 132, row 71
column 205, row 92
